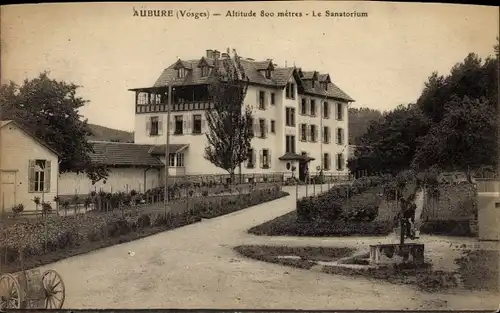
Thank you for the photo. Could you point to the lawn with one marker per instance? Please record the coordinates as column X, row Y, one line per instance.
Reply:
column 300, row 257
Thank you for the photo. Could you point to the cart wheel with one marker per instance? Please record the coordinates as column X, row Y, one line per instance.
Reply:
column 54, row 289
column 10, row 292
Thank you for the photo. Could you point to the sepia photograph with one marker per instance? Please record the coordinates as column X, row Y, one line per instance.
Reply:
column 278, row 155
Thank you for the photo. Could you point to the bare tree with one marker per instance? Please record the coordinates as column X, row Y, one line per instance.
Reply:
column 230, row 122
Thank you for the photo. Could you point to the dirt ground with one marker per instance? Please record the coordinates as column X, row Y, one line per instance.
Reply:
column 196, row 267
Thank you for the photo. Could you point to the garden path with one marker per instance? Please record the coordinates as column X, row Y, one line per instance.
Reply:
column 196, row 267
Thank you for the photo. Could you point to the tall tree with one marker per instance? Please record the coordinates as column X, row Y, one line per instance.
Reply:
column 49, row 109
column 465, row 139
column 389, row 144
column 230, row 122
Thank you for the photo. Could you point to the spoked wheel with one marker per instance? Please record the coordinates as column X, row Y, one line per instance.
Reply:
column 54, row 290
column 10, row 292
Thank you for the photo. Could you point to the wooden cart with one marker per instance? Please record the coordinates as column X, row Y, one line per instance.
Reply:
column 29, row 289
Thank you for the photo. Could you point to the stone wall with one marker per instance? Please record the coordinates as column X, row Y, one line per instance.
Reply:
column 453, row 202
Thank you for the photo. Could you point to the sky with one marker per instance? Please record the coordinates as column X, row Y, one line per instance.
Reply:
column 381, row 60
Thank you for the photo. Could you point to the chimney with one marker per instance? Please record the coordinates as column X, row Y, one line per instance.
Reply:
column 217, row 54
column 210, row 54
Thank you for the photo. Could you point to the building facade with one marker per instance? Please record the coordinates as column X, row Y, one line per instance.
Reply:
column 300, row 118
column 28, row 169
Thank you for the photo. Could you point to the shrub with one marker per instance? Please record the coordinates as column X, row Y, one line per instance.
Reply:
column 143, row 221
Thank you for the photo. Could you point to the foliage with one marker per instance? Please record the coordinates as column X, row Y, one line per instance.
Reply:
column 230, row 124
column 332, row 205
column 452, row 125
column 17, row 209
column 49, row 110
column 359, row 121
column 64, row 233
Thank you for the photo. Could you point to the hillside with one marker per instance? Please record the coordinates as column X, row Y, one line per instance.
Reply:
column 109, row 134
column 359, row 120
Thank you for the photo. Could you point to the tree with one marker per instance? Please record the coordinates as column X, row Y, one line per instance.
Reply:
column 49, row 109
column 359, row 121
column 463, row 140
column 388, row 146
column 230, row 123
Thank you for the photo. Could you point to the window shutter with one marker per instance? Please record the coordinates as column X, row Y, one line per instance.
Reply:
column 269, row 157
column 48, row 171
column 258, row 99
column 160, row 125
column 31, row 176
column 172, row 125
column 184, row 124
column 254, row 158
column 189, row 123
column 266, row 127
column 203, row 122
column 148, row 126
column 308, row 132
column 255, row 126
column 261, row 158
column 316, row 134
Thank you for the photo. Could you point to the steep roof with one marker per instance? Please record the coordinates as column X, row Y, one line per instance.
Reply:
column 279, row 78
column 29, row 133
column 123, row 154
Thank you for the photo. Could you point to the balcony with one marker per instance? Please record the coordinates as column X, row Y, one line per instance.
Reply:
column 176, row 107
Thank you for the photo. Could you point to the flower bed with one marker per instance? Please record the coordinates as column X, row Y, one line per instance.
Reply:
column 288, row 225
column 55, row 238
column 330, row 205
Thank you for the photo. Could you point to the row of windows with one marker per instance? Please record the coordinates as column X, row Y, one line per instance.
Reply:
column 310, row 133
column 263, row 100
column 182, row 125
column 264, row 158
column 308, row 107
column 176, row 159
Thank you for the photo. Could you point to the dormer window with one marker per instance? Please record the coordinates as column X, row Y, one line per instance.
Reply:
column 312, row 82
column 268, row 74
column 181, row 72
column 205, row 70
column 325, row 85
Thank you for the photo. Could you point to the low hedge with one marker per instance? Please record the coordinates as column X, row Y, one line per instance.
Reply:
column 288, row 225
column 330, row 204
column 81, row 231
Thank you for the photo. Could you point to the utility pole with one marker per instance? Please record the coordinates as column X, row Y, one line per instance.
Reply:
column 167, row 150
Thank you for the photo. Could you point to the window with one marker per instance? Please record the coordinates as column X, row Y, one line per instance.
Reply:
column 252, row 125
column 290, row 91
column 303, row 107
column 181, row 73
column 273, row 98
column 290, row 117
column 340, row 136
column 262, row 128
column 340, row 161
column 171, row 159
column 326, row 134
column 205, row 70
column 180, row 159
column 340, row 112
column 326, row 161
column 197, row 124
column 264, row 158
column 179, row 125
column 326, row 110
column 273, row 126
column 303, row 132
column 142, row 98
column 325, row 85
column 312, row 82
column 313, row 133
column 268, row 74
column 39, row 176
column 251, row 158
column 262, row 100
column 153, row 126
column 313, row 107
column 290, row 144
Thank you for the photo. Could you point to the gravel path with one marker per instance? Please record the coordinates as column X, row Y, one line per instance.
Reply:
column 196, row 267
